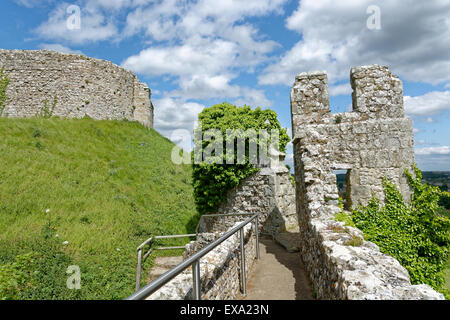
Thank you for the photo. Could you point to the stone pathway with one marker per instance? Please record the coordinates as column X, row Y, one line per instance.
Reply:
column 278, row 275
column 162, row 265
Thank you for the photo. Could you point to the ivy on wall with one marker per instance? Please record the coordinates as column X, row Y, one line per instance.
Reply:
column 415, row 234
column 4, row 82
column 213, row 180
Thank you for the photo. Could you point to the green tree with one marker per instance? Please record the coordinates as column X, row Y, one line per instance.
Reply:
column 212, row 181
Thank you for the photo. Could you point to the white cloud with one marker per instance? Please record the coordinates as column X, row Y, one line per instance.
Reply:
column 59, row 48
column 341, row 89
column 428, row 104
column 32, row 3
column 95, row 26
column 433, row 158
column 109, row 4
column 209, row 57
column 414, row 40
column 252, row 97
column 433, row 151
column 172, row 114
column 204, row 48
column 203, row 69
column 433, row 162
column 420, row 142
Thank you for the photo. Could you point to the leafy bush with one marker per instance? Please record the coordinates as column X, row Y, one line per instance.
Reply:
column 46, row 111
column 444, row 201
column 17, row 276
column 211, row 181
column 39, row 274
column 414, row 234
column 343, row 217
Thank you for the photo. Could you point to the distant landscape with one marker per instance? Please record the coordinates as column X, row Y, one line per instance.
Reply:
column 439, row 179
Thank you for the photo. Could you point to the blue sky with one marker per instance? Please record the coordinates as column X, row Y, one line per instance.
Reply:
column 193, row 54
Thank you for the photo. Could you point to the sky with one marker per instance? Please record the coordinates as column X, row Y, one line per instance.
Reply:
column 194, row 54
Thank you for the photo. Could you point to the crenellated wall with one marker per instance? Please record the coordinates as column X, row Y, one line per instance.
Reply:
column 80, row 86
column 372, row 142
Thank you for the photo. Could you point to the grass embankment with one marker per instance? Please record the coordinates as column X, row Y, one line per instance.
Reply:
column 447, row 274
column 86, row 193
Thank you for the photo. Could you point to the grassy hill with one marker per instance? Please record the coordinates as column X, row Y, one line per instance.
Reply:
column 85, row 193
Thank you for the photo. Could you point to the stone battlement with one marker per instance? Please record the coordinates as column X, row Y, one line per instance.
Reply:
column 80, row 86
column 372, row 142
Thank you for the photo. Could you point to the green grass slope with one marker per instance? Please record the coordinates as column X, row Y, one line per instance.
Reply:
column 84, row 193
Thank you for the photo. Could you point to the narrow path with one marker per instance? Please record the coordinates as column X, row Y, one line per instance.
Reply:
column 278, row 275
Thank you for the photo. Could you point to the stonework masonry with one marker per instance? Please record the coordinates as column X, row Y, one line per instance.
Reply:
column 219, row 269
column 81, row 86
column 270, row 192
column 372, row 142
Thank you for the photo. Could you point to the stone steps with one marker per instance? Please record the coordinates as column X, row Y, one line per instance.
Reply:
column 162, row 265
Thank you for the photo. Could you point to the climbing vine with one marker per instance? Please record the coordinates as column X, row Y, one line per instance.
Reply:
column 415, row 234
column 4, row 82
column 46, row 111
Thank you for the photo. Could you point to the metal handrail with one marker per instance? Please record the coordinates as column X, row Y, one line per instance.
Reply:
column 142, row 259
column 194, row 261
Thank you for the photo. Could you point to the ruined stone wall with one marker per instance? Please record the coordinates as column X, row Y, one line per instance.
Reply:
column 373, row 141
column 270, row 193
column 219, row 269
column 81, row 85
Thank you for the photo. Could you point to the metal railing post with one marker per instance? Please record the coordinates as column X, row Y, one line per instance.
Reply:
column 139, row 270
column 193, row 261
column 257, row 237
column 196, row 280
column 243, row 275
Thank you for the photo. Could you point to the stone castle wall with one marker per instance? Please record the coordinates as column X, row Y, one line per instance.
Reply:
column 82, row 86
column 270, row 193
column 372, row 142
